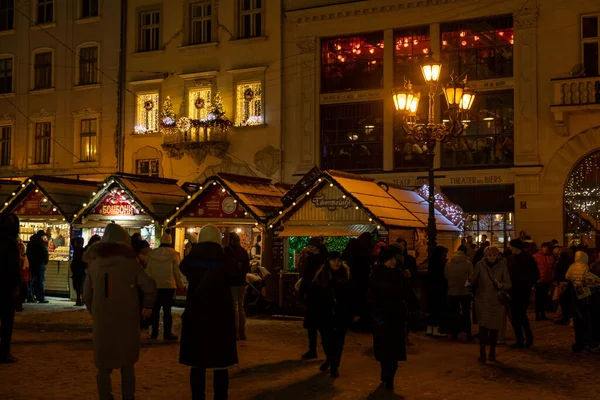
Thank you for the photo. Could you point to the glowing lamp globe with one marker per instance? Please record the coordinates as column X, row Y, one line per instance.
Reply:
column 431, row 71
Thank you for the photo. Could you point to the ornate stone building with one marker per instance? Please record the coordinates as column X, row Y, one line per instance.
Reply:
column 58, row 87
column 213, row 61
column 534, row 118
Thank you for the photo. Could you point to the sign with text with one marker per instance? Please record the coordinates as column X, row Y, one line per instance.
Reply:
column 215, row 203
column 351, row 96
column 33, row 204
column 116, row 204
column 465, row 180
column 332, row 204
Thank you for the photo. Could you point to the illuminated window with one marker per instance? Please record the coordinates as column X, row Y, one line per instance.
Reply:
column 147, row 113
column 250, row 18
column 481, row 49
column 352, row 136
column 5, row 141
column 43, row 134
column 498, row 228
column 147, row 167
column 7, row 15
column 590, row 41
column 201, row 23
column 411, row 48
column 88, row 139
column 249, row 104
column 198, row 103
column 149, row 39
column 488, row 137
column 352, row 63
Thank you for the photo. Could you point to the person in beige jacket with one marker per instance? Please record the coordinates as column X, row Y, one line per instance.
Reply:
column 111, row 296
column 458, row 271
column 163, row 267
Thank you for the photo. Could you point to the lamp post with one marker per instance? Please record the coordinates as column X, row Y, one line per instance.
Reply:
column 459, row 99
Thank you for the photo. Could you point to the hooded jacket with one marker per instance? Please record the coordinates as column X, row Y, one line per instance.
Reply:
column 545, row 262
column 162, row 265
column 577, row 271
column 458, row 270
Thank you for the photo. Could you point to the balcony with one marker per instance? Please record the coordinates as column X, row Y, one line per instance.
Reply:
column 574, row 95
column 198, row 142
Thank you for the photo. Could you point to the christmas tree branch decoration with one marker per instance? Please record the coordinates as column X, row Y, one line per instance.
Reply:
column 216, row 118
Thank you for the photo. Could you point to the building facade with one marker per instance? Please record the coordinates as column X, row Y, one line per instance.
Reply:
column 533, row 119
column 191, row 66
column 59, row 63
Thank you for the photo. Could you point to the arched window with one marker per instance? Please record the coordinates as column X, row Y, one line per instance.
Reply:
column 582, row 205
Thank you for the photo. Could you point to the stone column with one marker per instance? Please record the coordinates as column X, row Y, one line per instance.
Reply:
column 308, row 70
column 525, row 66
column 388, row 105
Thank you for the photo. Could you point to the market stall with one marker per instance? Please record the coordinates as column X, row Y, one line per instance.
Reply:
column 233, row 203
column 49, row 204
column 138, row 203
column 339, row 206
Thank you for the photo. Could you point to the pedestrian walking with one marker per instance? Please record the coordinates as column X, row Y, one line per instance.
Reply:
column 208, row 324
column 391, row 299
column 403, row 259
column 490, row 278
column 523, row 272
column 437, row 290
column 10, row 280
column 78, row 269
column 358, row 256
column 163, row 267
column 311, row 259
column 25, row 288
column 471, row 248
column 458, row 270
column 545, row 263
column 111, row 296
column 334, row 312
column 238, row 290
column 38, row 256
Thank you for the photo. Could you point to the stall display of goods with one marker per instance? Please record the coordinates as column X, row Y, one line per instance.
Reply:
column 60, row 253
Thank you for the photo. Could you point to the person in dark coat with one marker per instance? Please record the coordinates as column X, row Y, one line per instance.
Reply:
column 566, row 299
column 405, row 260
column 334, row 312
column 437, row 287
column 78, row 270
column 312, row 258
column 208, row 337
column 238, row 291
column 391, row 299
column 524, row 273
column 38, row 256
column 357, row 255
column 10, row 280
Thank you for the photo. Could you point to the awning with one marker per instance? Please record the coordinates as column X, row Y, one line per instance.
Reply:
column 482, row 199
column 320, row 230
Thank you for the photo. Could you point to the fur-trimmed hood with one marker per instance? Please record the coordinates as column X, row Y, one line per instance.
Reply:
column 102, row 251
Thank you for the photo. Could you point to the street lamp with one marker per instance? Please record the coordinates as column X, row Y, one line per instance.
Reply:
column 459, row 99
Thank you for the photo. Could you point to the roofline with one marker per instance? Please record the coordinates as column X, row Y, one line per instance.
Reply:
column 58, row 179
column 144, row 178
column 25, row 188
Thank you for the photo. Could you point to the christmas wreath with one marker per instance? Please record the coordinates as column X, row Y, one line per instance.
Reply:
column 248, row 94
column 199, row 103
column 148, row 105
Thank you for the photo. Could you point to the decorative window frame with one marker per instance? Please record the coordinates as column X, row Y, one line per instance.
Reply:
column 187, row 24
column 156, row 91
column 246, row 76
column 138, row 27
column 78, row 66
column 4, row 56
column 198, row 81
column 9, row 120
column 86, row 113
column 83, row 20
column 13, row 30
column 36, row 25
column 32, row 78
column 148, row 153
column 583, row 41
column 42, row 116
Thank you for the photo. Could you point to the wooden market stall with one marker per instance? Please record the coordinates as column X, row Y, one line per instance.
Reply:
column 49, row 204
column 233, row 203
column 138, row 203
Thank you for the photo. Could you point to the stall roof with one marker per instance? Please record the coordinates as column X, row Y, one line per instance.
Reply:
column 402, row 208
column 157, row 196
column 258, row 196
column 67, row 195
column 7, row 188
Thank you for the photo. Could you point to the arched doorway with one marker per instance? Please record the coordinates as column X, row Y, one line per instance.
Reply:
column 581, row 202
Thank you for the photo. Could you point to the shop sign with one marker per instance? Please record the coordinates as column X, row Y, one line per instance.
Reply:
column 332, row 204
column 216, row 204
column 116, row 205
column 34, row 204
column 454, row 181
column 351, row 96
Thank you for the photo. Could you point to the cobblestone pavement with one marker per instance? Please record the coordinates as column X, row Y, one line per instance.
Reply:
column 53, row 345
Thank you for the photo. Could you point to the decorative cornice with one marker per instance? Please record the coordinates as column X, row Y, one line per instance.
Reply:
column 526, row 19
column 8, row 118
column 43, row 114
column 248, row 70
column 307, row 45
column 366, row 11
column 196, row 75
column 86, row 111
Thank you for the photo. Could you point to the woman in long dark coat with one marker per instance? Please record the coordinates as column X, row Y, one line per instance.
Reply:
column 390, row 299
column 358, row 255
column 334, row 311
column 437, row 287
column 208, row 336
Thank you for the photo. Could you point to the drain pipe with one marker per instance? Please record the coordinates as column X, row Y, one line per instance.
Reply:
column 282, row 93
column 120, row 142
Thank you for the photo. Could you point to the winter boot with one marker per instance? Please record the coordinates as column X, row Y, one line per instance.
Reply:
column 482, row 356
column 429, row 330
column 492, row 356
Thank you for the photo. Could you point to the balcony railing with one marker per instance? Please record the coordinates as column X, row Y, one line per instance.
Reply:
column 197, row 142
column 574, row 95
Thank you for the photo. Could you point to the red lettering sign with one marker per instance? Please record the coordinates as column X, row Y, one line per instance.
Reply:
column 34, row 204
column 215, row 203
column 116, row 204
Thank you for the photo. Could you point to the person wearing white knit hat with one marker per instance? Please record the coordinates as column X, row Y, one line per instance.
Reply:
column 163, row 267
column 208, row 337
